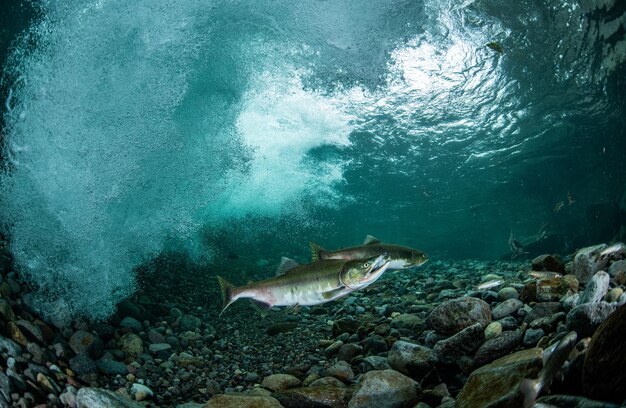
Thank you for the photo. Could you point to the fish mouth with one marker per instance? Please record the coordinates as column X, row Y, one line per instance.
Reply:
column 379, row 265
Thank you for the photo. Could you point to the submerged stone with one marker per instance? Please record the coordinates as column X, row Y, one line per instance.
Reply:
column 323, row 396
column 384, row 389
column 455, row 315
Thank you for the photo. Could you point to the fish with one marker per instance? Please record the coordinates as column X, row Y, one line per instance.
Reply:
column 495, row 46
column 306, row 285
column 544, row 274
column 401, row 257
column 553, row 359
column 490, row 284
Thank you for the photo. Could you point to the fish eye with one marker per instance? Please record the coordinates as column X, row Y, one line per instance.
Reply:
column 366, row 264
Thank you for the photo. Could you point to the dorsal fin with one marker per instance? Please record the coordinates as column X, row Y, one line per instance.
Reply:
column 285, row 265
column 370, row 240
column 316, row 251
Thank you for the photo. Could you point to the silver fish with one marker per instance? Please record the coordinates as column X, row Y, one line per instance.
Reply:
column 490, row 284
column 401, row 257
column 306, row 285
column 553, row 359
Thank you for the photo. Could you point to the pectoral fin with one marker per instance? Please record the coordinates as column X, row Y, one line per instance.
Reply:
column 334, row 294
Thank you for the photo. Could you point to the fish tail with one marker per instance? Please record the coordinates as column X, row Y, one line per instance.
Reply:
column 529, row 389
column 227, row 292
column 316, row 251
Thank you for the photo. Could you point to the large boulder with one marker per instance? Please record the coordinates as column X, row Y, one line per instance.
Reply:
column 588, row 261
column 497, row 384
column 411, row 359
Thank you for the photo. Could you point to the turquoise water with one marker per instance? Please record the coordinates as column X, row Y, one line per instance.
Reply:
column 242, row 130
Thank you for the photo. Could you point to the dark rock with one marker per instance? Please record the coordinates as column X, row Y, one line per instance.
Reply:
column 82, row 364
column 553, row 263
column 497, row 384
column 111, row 367
column 31, row 331
column 528, row 293
column 375, row 345
column 188, row 323
column 126, row 308
column 281, row 328
column 603, row 373
column 506, row 308
column 463, row 343
column 411, row 359
column 345, row 326
column 508, row 323
column 385, row 389
column 277, row 382
column 348, row 351
column 596, row 288
column 5, row 388
column 617, row 268
column 324, row 396
column 6, row 312
column 532, row 336
column 104, row 330
column 131, row 344
column 374, row 363
column 340, row 370
column 327, row 382
column 586, row 318
column 455, row 315
column 545, row 309
column 242, row 401
column 572, row 401
column 155, row 337
column 131, row 323
column 10, row 347
column 497, row 347
column 84, row 342
column 408, row 321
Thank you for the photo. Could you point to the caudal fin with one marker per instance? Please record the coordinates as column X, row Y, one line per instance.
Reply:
column 227, row 292
column 529, row 389
column 316, row 251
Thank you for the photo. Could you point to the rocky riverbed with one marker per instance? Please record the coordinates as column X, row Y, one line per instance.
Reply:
column 447, row 334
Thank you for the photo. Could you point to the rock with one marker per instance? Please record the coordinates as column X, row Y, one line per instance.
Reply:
column 532, row 337
column 158, row 347
column 556, row 289
column 571, row 401
column 385, row 389
column 82, row 364
column 497, row 384
column 408, row 321
column 553, row 263
column 506, row 308
column 463, row 343
column 507, row 293
column 6, row 312
column 596, row 288
column 188, row 323
column 314, row 397
column 327, row 382
column 586, row 318
column 127, row 308
column 10, row 347
column 345, row 326
column 587, row 262
column 333, row 348
column 528, row 293
column 545, row 309
column 99, row 398
column 493, row 330
column 455, row 315
column 497, row 347
column 375, row 344
column 341, row 371
column 140, row 392
column 111, row 367
column 411, row 359
column 348, row 351
column 617, row 267
column 277, row 382
column 131, row 344
column 370, row 363
column 283, row 327
column 613, row 295
column 84, row 342
column 16, row 334
column 5, row 389
column 242, row 401
column 131, row 323
column 603, row 374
